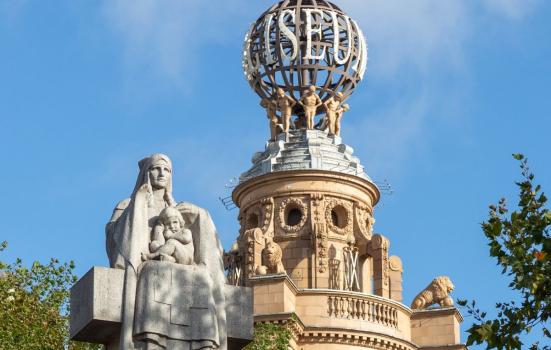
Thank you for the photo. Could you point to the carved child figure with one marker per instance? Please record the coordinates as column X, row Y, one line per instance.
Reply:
column 285, row 104
column 171, row 241
column 310, row 101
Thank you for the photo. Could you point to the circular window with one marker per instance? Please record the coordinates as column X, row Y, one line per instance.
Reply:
column 294, row 216
column 252, row 221
column 339, row 216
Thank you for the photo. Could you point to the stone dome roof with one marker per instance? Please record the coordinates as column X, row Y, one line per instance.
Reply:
column 305, row 150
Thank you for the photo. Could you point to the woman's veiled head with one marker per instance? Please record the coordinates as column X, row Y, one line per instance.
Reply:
column 160, row 173
column 156, row 171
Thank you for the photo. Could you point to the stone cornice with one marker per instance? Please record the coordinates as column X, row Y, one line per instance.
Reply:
column 437, row 312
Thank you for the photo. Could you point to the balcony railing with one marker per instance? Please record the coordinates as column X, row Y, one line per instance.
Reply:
column 362, row 308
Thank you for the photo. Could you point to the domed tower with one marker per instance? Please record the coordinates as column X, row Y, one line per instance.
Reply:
column 306, row 206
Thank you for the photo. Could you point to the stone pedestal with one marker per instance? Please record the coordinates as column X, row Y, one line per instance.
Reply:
column 437, row 329
column 96, row 301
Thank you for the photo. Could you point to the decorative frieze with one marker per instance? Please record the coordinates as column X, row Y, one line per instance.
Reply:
column 319, row 231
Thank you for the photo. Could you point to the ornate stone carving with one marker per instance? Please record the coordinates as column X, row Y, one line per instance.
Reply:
column 268, row 214
column 284, row 208
column 343, row 210
column 319, row 231
column 351, row 281
column 271, row 259
column 252, row 238
column 171, row 241
column 380, row 242
column 364, row 220
column 437, row 292
column 395, row 263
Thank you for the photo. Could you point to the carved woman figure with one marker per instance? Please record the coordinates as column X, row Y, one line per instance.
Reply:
column 146, row 323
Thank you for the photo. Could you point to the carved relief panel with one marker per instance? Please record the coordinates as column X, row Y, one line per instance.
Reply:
column 364, row 222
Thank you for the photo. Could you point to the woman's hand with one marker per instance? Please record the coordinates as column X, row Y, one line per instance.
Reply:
column 189, row 211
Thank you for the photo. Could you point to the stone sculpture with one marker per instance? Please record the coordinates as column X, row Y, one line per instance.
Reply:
column 171, row 241
column 437, row 292
column 310, row 101
column 333, row 109
column 345, row 108
column 285, row 104
column 271, row 259
column 271, row 109
column 176, row 302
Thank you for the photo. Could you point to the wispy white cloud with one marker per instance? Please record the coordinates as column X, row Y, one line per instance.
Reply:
column 425, row 40
column 164, row 37
column 413, row 33
column 512, row 9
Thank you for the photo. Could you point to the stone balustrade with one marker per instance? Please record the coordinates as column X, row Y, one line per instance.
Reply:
column 325, row 310
column 362, row 308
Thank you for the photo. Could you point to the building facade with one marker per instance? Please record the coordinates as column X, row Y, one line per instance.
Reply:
column 306, row 206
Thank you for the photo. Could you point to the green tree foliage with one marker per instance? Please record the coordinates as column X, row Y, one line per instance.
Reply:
column 520, row 242
column 34, row 306
column 269, row 336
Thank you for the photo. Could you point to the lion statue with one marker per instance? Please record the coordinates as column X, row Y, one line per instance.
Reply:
column 437, row 292
column 271, row 259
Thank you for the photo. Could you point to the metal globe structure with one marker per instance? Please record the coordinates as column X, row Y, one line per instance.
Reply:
column 296, row 44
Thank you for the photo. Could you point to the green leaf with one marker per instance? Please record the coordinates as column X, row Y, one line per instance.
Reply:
column 518, row 156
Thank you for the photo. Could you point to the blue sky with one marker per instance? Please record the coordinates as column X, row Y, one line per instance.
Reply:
column 89, row 88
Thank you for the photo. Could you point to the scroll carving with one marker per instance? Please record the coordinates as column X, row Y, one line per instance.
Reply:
column 364, row 220
column 268, row 211
column 380, row 242
column 319, row 231
column 253, row 239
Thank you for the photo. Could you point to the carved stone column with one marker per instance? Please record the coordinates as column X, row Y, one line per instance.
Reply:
column 253, row 244
column 319, row 241
column 396, row 270
column 379, row 247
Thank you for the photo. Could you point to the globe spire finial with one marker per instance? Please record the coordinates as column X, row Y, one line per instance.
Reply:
column 305, row 46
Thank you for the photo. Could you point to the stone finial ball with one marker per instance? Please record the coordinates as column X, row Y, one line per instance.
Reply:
column 299, row 43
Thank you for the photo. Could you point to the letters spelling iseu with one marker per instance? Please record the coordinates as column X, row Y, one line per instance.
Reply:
column 311, row 30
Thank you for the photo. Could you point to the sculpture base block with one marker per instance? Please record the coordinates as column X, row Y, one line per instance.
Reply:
column 437, row 328
column 96, row 301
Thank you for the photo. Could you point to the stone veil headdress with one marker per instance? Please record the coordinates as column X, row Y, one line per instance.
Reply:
column 143, row 177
